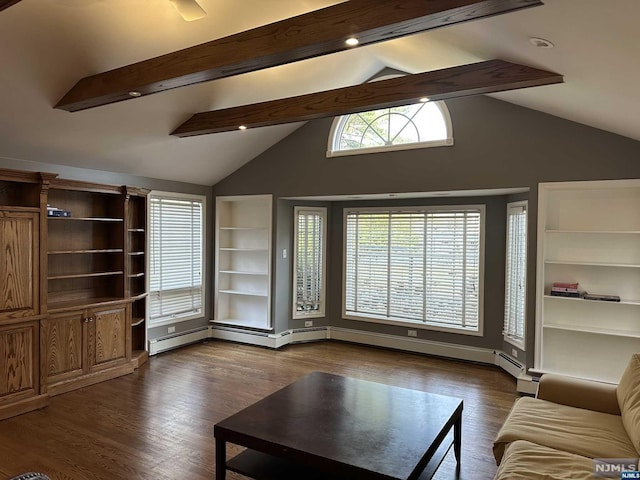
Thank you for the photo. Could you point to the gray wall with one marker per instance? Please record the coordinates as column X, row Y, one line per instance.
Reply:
column 98, row 176
column 497, row 145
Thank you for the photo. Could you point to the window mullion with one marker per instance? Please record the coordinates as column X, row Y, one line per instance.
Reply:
column 389, row 266
column 464, row 270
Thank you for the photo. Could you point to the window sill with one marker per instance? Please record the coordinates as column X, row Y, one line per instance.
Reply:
column 447, row 142
column 303, row 316
column 415, row 324
column 516, row 343
column 173, row 321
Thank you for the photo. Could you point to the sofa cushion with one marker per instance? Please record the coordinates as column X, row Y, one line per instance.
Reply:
column 526, row 460
column 629, row 399
column 574, row 430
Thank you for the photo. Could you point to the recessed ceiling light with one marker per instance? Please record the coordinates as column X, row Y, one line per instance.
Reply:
column 424, row 99
column 540, row 42
column 133, row 93
column 352, row 41
column 242, row 127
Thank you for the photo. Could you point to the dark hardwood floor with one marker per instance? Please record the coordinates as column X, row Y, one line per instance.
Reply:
column 157, row 423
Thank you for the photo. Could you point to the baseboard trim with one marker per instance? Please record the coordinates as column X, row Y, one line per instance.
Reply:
column 429, row 347
column 163, row 344
column 525, row 383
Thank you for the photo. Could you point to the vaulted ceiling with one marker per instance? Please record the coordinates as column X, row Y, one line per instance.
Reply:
column 46, row 46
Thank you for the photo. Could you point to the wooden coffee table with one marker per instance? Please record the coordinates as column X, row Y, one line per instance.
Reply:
column 328, row 426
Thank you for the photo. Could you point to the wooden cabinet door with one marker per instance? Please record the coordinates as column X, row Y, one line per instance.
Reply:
column 18, row 361
column 63, row 352
column 19, row 272
column 109, row 342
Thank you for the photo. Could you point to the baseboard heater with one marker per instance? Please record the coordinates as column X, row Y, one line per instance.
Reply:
column 181, row 339
column 526, row 383
column 509, row 364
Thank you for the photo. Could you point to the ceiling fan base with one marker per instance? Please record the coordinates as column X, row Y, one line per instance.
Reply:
column 190, row 10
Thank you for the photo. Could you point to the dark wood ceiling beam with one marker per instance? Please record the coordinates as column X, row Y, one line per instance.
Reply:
column 477, row 78
column 7, row 3
column 313, row 34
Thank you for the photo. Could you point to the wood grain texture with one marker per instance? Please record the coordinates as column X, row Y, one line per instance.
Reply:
column 19, row 260
column 157, row 424
column 108, row 330
column 4, row 4
column 17, row 373
column 305, row 36
column 473, row 79
column 63, row 346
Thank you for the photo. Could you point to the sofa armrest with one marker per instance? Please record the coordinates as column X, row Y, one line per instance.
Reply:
column 575, row 392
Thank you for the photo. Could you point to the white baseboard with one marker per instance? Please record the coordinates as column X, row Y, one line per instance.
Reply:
column 416, row 345
column 180, row 340
column 259, row 339
column 525, row 383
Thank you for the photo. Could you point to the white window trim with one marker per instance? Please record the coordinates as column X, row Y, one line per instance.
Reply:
column 336, row 125
column 321, row 313
column 184, row 196
column 414, row 323
column 516, row 342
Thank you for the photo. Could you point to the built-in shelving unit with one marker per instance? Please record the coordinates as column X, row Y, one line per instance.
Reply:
column 22, row 197
column 588, row 233
column 136, row 273
column 86, row 249
column 70, row 285
column 243, row 261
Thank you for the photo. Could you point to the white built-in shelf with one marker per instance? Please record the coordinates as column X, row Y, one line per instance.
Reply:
column 237, row 272
column 257, row 324
column 593, row 330
column 243, row 261
column 592, row 264
column 136, row 230
column 622, row 301
column 136, row 253
column 136, row 275
column 591, row 236
column 597, row 232
column 243, row 292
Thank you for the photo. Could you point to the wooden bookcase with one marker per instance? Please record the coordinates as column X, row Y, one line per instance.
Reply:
column 69, row 287
column 21, row 196
column 243, row 261
column 136, row 287
column 588, row 233
column 86, row 250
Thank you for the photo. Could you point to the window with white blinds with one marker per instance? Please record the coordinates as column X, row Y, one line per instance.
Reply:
column 419, row 265
column 175, row 257
column 309, row 262
column 516, row 274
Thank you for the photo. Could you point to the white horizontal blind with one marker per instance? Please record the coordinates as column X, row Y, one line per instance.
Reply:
column 309, row 261
column 419, row 264
column 516, row 272
column 176, row 238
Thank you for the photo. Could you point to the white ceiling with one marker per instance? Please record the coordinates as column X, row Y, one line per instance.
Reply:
column 47, row 45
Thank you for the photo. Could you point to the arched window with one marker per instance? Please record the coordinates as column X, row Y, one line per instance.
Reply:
column 424, row 124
